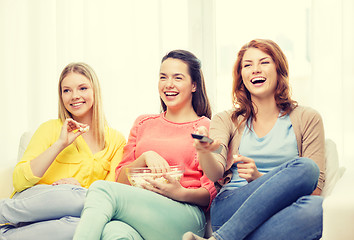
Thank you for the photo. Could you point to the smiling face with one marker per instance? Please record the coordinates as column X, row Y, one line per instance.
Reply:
column 175, row 84
column 77, row 96
column 259, row 74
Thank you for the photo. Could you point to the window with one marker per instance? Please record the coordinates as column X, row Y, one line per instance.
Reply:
column 238, row 22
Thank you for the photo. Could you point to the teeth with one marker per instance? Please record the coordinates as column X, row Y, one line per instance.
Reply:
column 170, row 93
column 76, row 104
column 258, row 80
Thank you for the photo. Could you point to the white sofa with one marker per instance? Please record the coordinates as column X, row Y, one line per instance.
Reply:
column 338, row 206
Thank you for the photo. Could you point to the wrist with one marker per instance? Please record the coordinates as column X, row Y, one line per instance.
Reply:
column 59, row 145
column 140, row 161
column 183, row 195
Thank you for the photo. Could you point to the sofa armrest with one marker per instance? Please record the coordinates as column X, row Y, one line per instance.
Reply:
column 6, row 187
column 338, row 208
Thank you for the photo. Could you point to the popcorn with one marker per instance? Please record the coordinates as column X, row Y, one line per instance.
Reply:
column 138, row 179
column 85, row 129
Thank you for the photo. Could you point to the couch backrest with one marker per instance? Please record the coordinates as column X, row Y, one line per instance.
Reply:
column 25, row 139
column 333, row 171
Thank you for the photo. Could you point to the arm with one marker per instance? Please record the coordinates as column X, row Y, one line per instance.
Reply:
column 224, row 133
column 174, row 190
column 40, row 164
column 313, row 143
column 148, row 158
column 42, row 140
column 212, row 168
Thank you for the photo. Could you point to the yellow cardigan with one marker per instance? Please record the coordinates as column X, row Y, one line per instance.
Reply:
column 76, row 160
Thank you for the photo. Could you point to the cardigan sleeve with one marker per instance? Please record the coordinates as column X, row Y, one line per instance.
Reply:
column 219, row 130
column 313, row 141
column 224, row 129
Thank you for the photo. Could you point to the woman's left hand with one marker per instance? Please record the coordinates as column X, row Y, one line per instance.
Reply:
column 172, row 189
column 72, row 181
column 246, row 168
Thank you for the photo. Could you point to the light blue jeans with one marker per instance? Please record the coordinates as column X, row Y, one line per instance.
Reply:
column 118, row 211
column 277, row 205
column 42, row 212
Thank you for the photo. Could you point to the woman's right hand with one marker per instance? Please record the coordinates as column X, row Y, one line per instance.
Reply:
column 212, row 168
column 205, row 146
column 40, row 164
column 68, row 133
column 157, row 163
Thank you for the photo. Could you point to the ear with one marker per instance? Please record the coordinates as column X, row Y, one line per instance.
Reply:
column 194, row 88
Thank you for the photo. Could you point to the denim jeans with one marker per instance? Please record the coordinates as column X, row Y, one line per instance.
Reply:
column 42, row 212
column 277, row 205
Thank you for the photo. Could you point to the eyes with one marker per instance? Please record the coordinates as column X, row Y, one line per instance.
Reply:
column 175, row 77
column 247, row 65
column 81, row 89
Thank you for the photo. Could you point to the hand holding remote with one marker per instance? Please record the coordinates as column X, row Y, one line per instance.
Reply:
column 205, row 143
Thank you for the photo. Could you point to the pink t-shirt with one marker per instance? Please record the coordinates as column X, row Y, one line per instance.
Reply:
column 173, row 142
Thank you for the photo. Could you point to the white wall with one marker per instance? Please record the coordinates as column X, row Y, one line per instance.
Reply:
column 124, row 40
column 332, row 82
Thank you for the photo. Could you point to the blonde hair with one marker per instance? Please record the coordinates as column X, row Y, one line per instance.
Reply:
column 98, row 117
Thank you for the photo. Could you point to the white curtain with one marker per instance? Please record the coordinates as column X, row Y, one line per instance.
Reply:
column 124, row 40
column 332, row 51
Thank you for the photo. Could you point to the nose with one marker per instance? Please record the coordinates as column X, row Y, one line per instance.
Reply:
column 75, row 95
column 256, row 68
column 169, row 83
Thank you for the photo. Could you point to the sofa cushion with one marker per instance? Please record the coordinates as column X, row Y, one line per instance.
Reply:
column 25, row 139
column 333, row 171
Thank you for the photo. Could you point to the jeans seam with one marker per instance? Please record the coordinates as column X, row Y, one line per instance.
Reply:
column 44, row 192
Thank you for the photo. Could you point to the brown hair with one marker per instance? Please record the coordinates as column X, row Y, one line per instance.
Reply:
column 200, row 101
column 241, row 96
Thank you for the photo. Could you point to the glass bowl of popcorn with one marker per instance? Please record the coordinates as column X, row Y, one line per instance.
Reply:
column 137, row 176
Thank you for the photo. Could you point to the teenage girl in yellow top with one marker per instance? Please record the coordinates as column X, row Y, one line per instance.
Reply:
column 63, row 158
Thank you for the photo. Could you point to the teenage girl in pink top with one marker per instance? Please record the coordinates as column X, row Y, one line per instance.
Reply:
column 162, row 210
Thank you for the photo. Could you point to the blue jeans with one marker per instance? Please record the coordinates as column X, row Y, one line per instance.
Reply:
column 42, row 212
column 118, row 211
column 277, row 205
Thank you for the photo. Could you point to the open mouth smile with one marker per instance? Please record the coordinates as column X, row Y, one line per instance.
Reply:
column 258, row 80
column 171, row 94
column 77, row 104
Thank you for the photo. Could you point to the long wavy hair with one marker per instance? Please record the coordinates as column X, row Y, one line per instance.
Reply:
column 241, row 96
column 98, row 117
column 200, row 101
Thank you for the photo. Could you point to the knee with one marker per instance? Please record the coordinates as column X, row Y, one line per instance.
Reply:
column 97, row 184
column 309, row 172
column 68, row 226
column 125, row 232
column 106, row 188
column 310, row 208
column 100, row 185
column 309, row 167
column 70, row 220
